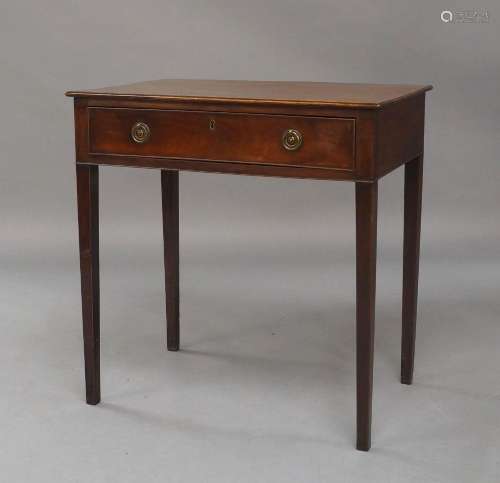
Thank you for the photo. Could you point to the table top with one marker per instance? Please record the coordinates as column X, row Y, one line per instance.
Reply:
column 365, row 96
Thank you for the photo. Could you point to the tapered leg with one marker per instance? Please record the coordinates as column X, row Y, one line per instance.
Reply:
column 366, row 254
column 411, row 255
column 170, row 205
column 88, row 224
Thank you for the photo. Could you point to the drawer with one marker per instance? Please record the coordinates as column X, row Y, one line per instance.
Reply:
column 320, row 142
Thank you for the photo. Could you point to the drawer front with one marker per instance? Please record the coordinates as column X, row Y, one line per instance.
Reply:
column 214, row 136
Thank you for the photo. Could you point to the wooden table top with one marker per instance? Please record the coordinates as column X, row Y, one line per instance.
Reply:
column 364, row 96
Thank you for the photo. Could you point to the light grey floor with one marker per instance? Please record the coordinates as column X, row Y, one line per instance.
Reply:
column 263, row 389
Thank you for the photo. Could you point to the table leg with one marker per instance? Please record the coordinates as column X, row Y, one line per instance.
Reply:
column 366, row 254
column 88, row 224
column 411, row 255
column 170, row 208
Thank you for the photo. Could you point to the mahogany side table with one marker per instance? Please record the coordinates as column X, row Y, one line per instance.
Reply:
column 351, row 132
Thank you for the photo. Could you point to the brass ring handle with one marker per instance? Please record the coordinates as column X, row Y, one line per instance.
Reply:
column 140, row 132
column 292, row 139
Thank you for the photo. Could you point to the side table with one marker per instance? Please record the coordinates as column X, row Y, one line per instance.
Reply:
column 350, row 132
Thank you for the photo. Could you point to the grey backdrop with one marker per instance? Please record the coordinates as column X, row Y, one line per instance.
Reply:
column 264, row 388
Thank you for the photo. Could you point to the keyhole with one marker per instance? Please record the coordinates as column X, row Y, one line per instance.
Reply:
column 212, row 124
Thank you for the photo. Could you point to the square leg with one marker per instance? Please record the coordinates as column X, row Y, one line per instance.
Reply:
column 170, row 209
column 88, row 225
column 411, row 257
column 366, row 254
